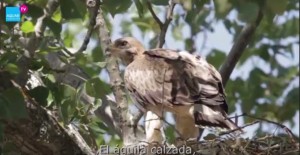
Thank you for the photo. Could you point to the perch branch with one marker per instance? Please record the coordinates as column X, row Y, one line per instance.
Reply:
column 93, row 7
column 239, row 47
column 123, row 120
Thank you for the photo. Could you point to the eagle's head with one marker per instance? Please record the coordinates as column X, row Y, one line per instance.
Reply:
column 127, row 49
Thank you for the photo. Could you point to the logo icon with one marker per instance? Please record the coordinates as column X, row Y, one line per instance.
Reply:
column 23, row 8
column 12, row 14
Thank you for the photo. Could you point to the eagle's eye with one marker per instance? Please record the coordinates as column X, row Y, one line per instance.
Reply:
column 123, row 43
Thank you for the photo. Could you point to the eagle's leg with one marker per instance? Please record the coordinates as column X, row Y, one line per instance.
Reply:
column 185, row 126
column 153, row 127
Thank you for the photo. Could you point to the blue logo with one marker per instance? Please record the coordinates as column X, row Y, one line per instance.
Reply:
column 12, row 14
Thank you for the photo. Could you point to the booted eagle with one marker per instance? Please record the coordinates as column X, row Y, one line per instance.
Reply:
column 163, row 80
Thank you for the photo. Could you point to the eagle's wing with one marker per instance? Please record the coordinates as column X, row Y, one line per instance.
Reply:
column 179, row 78
column 202, row 81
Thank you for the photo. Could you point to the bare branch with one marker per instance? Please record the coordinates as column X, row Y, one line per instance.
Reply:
column 41, row 133
column 286, row 129
column 123, row 118
column 154, row 15
column 136, row 118
column 78, row 139
column 40, row 26
column 239, row 47
column 239, row 128
column 165, row 26
column 93, row 6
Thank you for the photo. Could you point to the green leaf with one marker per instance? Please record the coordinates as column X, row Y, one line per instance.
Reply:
column 96, row 88
column 63, row 92
column 64, row 110
column 177, row 33
column 248, row 11
column 34, row 11
column 160, row 2
column 101, row 64
column 97, row 54
column 51, row 77
column 39, row 3
column 13, row 100
column 54, row 26
column 290, row 106
column 170, row 134
column 223, row 7
column 68, row 39
column 139, row 7
column 116, row 6
column 187, row 4
column 12, row 68
column 72, row 9
column 216, row 57
column 4, row 111
column 1, row 133
column 68, row 92
column 27, row 27
column 277, row 6
column 40, row 94
column 57, row 17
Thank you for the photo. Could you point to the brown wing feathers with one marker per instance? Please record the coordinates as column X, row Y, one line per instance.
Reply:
column 189, row 85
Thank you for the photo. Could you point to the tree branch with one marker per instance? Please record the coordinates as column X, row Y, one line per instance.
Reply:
column 93, row 7
column 123, row 117
column 40, row 26
column 154, row 15
column 165, row 26
column 239, row 47
column 41, row 133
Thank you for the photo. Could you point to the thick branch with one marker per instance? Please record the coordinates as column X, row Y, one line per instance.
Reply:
column 120, row 107
column 41, row 133
column 239, row 47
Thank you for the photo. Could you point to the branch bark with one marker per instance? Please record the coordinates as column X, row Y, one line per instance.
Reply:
column 163, row 26
column 41, row 133
column 69, row 136
column 123, row 118
column 239, row 47
column 93, row 7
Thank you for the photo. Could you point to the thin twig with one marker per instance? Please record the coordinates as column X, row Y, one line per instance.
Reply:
column 136, row 118
column 93, row 6
column 163, row 26
column 239, row 47
column 239, row 128
column 286, row 129
column 154, row 15
column 166, row 24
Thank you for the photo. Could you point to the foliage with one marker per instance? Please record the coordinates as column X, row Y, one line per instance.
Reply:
column 269, row 91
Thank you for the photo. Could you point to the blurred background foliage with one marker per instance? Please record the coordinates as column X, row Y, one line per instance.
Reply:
column 266, row 81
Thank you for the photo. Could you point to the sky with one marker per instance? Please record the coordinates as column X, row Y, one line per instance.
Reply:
column 218, row 39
